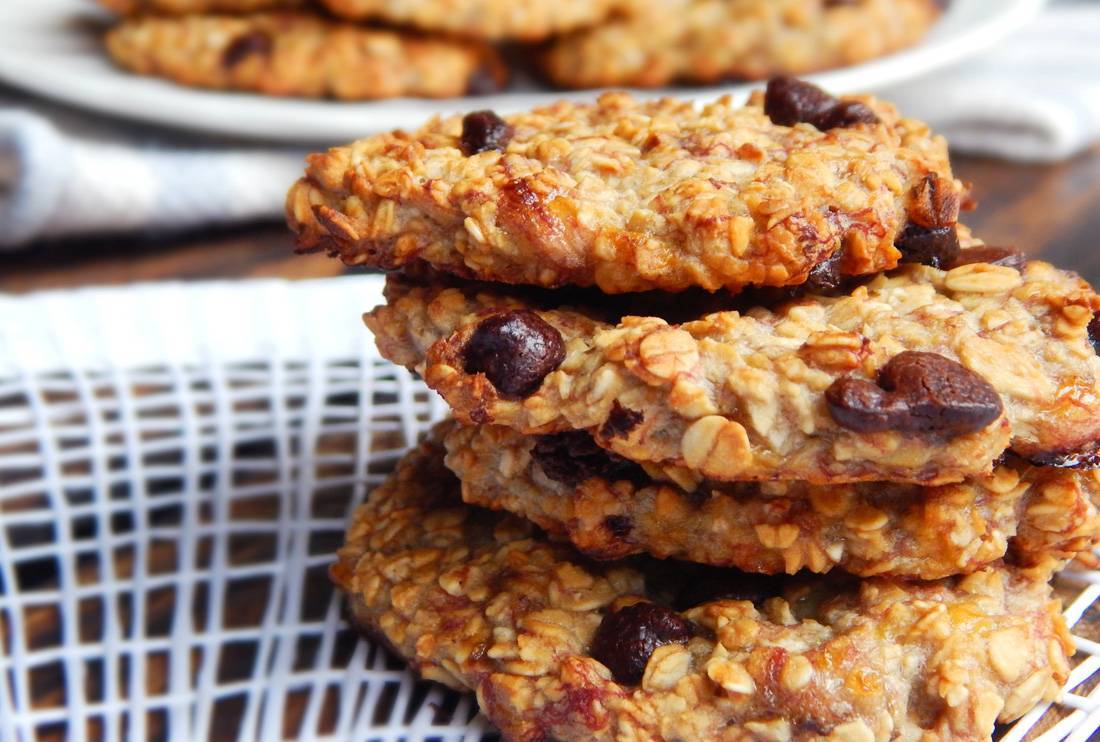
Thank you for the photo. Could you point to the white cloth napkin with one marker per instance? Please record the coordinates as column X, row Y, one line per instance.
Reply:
column 54, row 183
column 1036, row 96
column 1033, row 97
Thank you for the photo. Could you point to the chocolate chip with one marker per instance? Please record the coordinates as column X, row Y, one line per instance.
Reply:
column 515, row 350
column 483, row 131
column 246, row 45
column 626, row 638
column 935, row 246
column 845, row 114
column 1087, row 458
column 915, row 392
column 620, row 526
column 1005, row 256
column 825, row 278
column 1094, row 332
column 620, row 421
column 572, row 457
column 789, row 101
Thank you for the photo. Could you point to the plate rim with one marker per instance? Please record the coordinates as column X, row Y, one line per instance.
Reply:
column 113, row 92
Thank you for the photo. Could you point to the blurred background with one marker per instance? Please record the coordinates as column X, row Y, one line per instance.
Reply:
column 87, row 197
column 183, row 431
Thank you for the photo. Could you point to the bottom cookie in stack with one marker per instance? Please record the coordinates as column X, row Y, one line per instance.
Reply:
column 559, row 646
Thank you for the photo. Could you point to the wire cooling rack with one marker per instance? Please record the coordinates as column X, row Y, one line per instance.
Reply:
column 177, row 464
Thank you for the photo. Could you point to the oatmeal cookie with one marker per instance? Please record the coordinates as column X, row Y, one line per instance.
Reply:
column 559, row 647
column 299, row 54
column 610, row 508
column 921, row 375
column 526, row 20
column 193, row 7
column 656, row 42
column 632, row 196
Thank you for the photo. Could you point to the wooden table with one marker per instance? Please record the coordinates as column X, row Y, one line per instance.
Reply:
column 1048, row 210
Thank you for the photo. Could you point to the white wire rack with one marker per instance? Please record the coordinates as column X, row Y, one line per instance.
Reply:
column 177, row 464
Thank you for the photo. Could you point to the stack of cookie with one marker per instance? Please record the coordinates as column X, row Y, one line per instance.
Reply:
column 448, row 48
column 752, row 439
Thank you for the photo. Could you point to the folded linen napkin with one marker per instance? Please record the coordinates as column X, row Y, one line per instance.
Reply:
column 54, row 184
column 1035, row 96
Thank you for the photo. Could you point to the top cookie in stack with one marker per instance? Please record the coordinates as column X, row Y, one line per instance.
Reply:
column 754, row 338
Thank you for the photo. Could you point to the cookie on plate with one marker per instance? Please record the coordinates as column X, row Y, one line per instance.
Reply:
column 610, row 508
column 559, row 647
column 626, row 195
column 656, row 42
column 920, row 375
column 498, row 20
column 193, row 7
column 300, row 54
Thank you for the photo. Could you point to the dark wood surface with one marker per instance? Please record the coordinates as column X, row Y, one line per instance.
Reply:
column 1048, row 210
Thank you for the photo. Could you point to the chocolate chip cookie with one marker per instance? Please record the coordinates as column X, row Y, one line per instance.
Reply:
column 795, row 187
column 559, row 647
column 610, row 508
column 522, row 20
column 655, row 42
column 192, row 7
column 920, row 375
column 301, row 54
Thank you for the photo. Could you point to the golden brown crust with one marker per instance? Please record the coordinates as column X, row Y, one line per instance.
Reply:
column 524, row 20
column 1041, row 516
column 300, row 54
column 478, row 600
column 741, row 396
column 629, row 196
column 658, row 41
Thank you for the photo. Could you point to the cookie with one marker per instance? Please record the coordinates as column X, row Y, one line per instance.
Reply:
column 631, row 196
column 528, row 20
column 610, row 508
column 193, row 7
column 299, row 54
column 921, row 375
column 657, row 42
column 559, row 647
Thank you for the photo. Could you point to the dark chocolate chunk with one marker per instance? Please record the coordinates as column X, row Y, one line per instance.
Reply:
column 934, row 246
column 626, row 638
column 572, row 457
column 789, row 101
column 515, row 350
column 845, row 114
column 246, row 45
column 915, row 392
column 1005, row 256
column 1085, row 458
column 620, row 422
column 483, row 131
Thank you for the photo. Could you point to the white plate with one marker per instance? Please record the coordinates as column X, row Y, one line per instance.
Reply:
column 51, row 47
